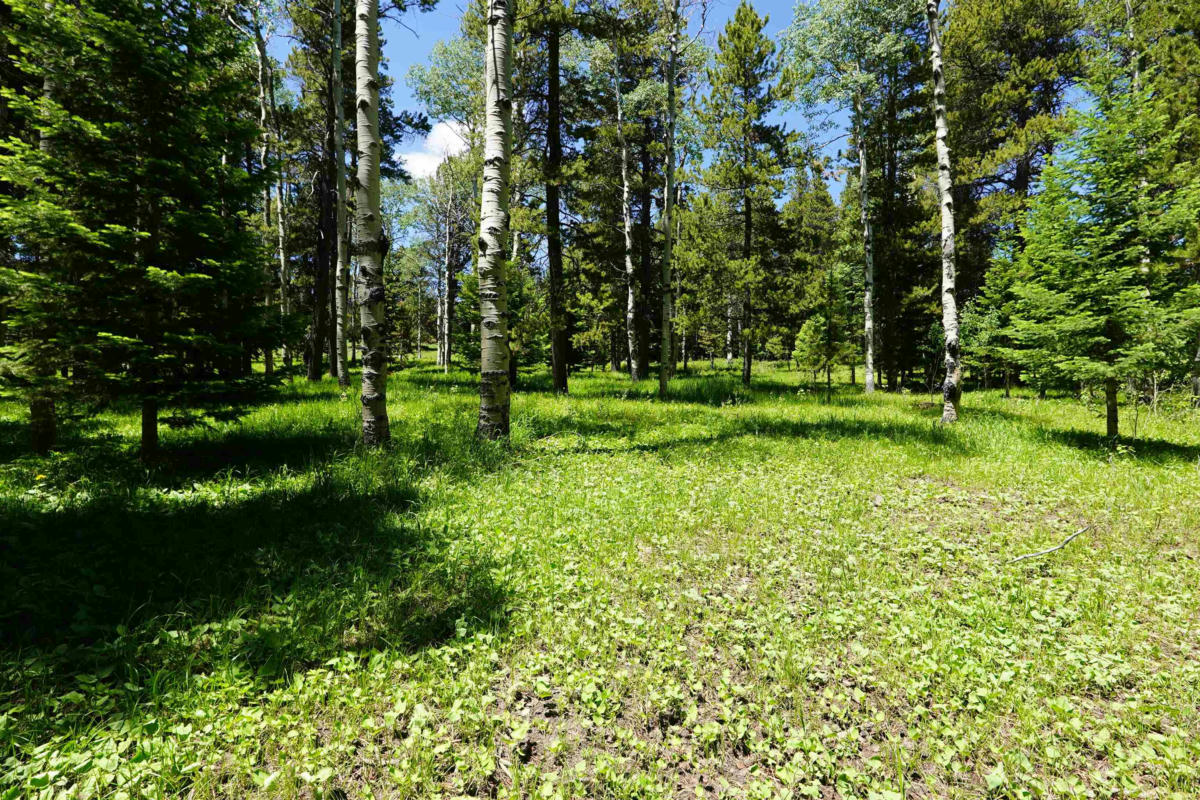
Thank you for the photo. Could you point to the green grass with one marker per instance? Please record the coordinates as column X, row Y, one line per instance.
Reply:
column 758, row 594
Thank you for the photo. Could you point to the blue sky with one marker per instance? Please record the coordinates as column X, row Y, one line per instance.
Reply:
column 410, row 42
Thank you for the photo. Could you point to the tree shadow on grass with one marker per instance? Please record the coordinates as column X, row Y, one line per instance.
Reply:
column 141, row 593
column 15, row 441
column 613, row 434
column 1141, row 449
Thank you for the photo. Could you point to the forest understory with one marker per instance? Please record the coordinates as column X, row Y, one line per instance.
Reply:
column 768, row 593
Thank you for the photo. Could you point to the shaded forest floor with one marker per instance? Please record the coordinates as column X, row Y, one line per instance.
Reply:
column 758, row 594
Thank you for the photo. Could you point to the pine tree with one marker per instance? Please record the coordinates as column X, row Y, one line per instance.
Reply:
column 750, row 152
column 143, row 279
column 848, row 47
column 1009, row 67
column 1096, row 299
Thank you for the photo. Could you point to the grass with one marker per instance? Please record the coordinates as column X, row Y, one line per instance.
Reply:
column 763, row 594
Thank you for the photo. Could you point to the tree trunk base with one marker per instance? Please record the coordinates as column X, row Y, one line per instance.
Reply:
column 43, row 424
column 1110, row 406
column 149, row 444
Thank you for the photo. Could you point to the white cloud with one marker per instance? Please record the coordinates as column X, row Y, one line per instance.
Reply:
column 445, row 139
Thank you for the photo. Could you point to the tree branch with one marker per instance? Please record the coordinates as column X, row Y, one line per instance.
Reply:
column 1060, row 546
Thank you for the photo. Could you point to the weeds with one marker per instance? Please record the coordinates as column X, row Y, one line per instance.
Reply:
column 766, row 594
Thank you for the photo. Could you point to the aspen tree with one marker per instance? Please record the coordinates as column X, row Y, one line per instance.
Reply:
column 951, row 388
column 370, row 243
column 631, row 278
column 844, row 45
column 667, row 353
column 494, row 387
column 342, row 274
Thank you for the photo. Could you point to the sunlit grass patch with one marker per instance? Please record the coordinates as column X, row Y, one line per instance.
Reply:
column 770, row 592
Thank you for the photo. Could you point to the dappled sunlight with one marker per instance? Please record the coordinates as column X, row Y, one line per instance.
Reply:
column 757, row 560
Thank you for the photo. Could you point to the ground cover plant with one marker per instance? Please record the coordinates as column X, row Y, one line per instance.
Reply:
column 773, row 592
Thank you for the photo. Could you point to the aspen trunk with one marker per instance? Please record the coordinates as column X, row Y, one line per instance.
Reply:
column 952, row 387
column 322, row 298
column 437, row 321
column 342, row 290
column 261, row 57
column 868, row 251
column 285, row 279
column 667, row 347
column 318, row 339
column 631, row 278
column 494, row 389
column 354, row 316
column 559, row 342
column 730, row 316
column 446, row 301
column 448, row 315
column 443, row 283
column 370, row 243
column 420, row 297
column 644, row 239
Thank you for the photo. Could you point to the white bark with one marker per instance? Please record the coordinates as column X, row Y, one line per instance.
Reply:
column 631, row 282
column 260, row 54
column 446, row 278
column 952, row 386
column 420, row 296
column 439, row 326
column 263, row 156
column 370, row 243
column 494, row 389
column 266, row 100
column 667, row 352
column 730, row 322
column 285, row 278
column 342, row 274
column 868, row 248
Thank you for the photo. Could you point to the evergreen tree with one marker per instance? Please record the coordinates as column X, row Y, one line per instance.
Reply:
column 1009, row 67
column 822, row 280
column 136, row 272
column 849, row 48
column 750, row 153
column 1097, row 297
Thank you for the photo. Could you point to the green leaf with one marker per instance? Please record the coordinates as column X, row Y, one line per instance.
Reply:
column 996, row 778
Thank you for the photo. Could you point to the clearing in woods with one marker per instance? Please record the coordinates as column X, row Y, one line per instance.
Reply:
column 760, row 594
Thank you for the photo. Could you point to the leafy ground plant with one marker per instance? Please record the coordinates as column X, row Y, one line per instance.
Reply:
column 764, row 593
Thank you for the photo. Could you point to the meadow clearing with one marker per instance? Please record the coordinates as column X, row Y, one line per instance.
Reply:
column 773, row 593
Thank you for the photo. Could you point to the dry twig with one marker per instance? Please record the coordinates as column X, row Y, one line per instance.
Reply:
column 1059, row 546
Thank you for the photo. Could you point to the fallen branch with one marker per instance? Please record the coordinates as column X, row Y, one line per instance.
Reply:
column 1059, row 546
